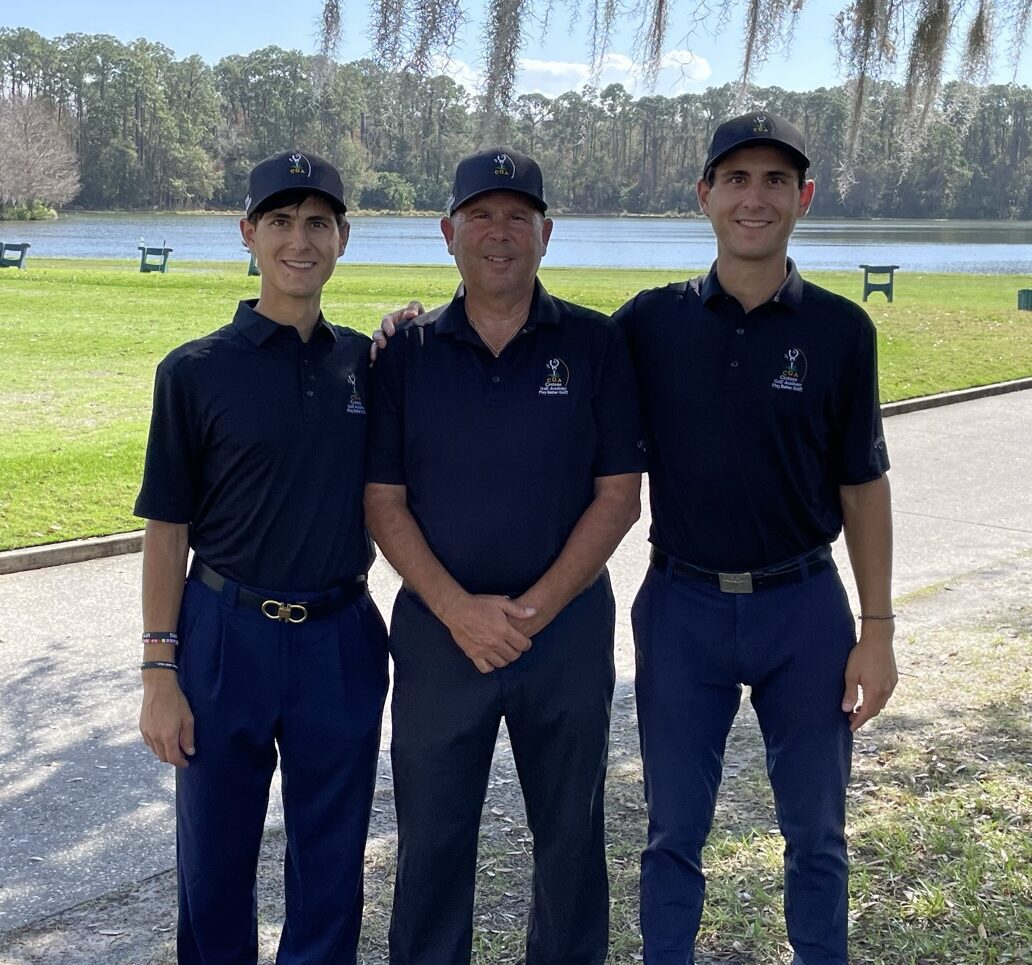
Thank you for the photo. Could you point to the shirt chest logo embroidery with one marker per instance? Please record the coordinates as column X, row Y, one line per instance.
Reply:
column 355, row 406
column 793, row 373
column 557, row 378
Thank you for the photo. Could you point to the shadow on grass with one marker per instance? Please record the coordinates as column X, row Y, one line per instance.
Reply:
column 930, row 754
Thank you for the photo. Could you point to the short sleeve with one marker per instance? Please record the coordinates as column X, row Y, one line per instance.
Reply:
column 171, row 466
column 620, row 447
column 623, row 318
column 863, row 456
column 385, row 460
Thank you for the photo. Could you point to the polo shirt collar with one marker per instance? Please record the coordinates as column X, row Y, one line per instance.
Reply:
column 454, row 321
column 258, row 329
column 790, row 294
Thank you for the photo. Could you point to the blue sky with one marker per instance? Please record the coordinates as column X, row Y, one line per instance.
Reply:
column 551, row 63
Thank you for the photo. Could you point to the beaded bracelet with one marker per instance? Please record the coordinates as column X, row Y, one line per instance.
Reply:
column 868, row 616
column 158, row 665
column 161, row 636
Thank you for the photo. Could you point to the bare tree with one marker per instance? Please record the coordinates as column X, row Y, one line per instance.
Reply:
column 37, row 161
column 876, row 39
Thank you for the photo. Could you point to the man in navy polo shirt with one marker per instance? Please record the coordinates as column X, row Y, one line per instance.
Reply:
column 504, row 469
column 759, row 395
column 256, row 461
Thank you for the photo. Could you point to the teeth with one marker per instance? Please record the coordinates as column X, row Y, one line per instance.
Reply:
column 300, row 264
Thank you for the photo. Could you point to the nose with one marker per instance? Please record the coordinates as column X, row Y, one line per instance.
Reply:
column 497, row 229
column 753, row 197
column 299, row 234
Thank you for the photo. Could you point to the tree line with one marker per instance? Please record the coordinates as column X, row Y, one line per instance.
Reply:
column 142, row 129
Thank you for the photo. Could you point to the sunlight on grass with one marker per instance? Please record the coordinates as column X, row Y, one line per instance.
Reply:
column 80, row 341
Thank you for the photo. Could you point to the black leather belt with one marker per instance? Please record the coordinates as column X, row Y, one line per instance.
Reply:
column 284, row 611
column 794, row 572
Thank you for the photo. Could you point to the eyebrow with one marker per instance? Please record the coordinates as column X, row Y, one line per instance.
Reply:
column 767, row 173
column 291, row 212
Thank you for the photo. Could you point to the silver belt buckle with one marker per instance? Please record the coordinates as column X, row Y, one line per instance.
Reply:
column 735, row 582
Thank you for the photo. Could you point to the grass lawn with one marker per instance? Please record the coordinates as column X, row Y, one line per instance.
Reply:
column 80, row 339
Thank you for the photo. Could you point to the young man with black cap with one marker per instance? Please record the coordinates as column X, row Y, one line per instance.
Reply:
column 256, row 461
column 504, row 469
column 757, row 460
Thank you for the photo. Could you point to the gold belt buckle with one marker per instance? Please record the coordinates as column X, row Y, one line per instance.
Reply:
column 285, row 612
column 735, row 582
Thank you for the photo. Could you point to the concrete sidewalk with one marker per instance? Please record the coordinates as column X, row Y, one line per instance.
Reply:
column 85, row 809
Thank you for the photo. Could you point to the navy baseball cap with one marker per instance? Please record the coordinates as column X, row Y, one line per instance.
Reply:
column 294, row 171
column 760, row 127
column 498, row 169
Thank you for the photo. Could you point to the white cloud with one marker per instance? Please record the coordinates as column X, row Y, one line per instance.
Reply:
column 550, row 77
column 680, row 71
column 459, row 71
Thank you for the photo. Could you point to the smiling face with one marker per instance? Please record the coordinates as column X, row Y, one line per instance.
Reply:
column 498, row 240
column 296, row 247
column 753, row 204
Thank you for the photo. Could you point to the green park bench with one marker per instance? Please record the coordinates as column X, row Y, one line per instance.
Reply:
column 154, row 259
column 13, row 256
column 878, row 286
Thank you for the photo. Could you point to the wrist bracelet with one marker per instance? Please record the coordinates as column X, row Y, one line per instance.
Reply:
column 161, row 636
column 868, row 616
column 158, row 665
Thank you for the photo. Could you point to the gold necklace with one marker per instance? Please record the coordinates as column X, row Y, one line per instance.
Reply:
column 495, row 350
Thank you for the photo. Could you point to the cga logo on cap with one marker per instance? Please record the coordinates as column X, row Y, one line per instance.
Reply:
column 504, row 167
column 299, row 164
column 761, row 125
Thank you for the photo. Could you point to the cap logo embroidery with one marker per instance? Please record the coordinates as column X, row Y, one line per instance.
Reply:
column 761, row 125
column 299, row 164
column 792, row 375
column 557, row 380
column 504, row 167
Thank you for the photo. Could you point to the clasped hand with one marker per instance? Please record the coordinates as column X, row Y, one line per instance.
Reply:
column 483, row 628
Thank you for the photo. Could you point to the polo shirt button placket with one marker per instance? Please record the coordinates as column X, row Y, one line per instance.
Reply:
column 493, row 394
column 309, row 404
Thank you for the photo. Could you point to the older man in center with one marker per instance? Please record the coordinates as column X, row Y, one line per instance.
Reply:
column 505, row 467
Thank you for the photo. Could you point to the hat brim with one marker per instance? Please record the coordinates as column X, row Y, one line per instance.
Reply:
column 538, row 203
column 334, row 201
column 801, row 159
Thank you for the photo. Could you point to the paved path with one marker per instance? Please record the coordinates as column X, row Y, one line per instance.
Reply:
column 84, row 808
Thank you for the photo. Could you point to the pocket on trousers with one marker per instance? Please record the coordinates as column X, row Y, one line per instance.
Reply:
column 362, row 648
column 201, row 642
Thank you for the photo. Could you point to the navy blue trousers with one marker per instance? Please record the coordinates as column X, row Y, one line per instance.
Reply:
column 556, row 701
column 315, row 692
column 695, row 646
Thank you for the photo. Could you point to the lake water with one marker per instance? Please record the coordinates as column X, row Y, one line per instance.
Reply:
column 979, row 247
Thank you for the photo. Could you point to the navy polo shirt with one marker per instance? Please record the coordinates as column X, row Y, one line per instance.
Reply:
column 753, row 420
column 499, row 455
column 258, row 441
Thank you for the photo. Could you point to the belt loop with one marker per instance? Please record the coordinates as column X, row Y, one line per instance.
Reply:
column 668, row 569
column 228, row 593
column 804, row 569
